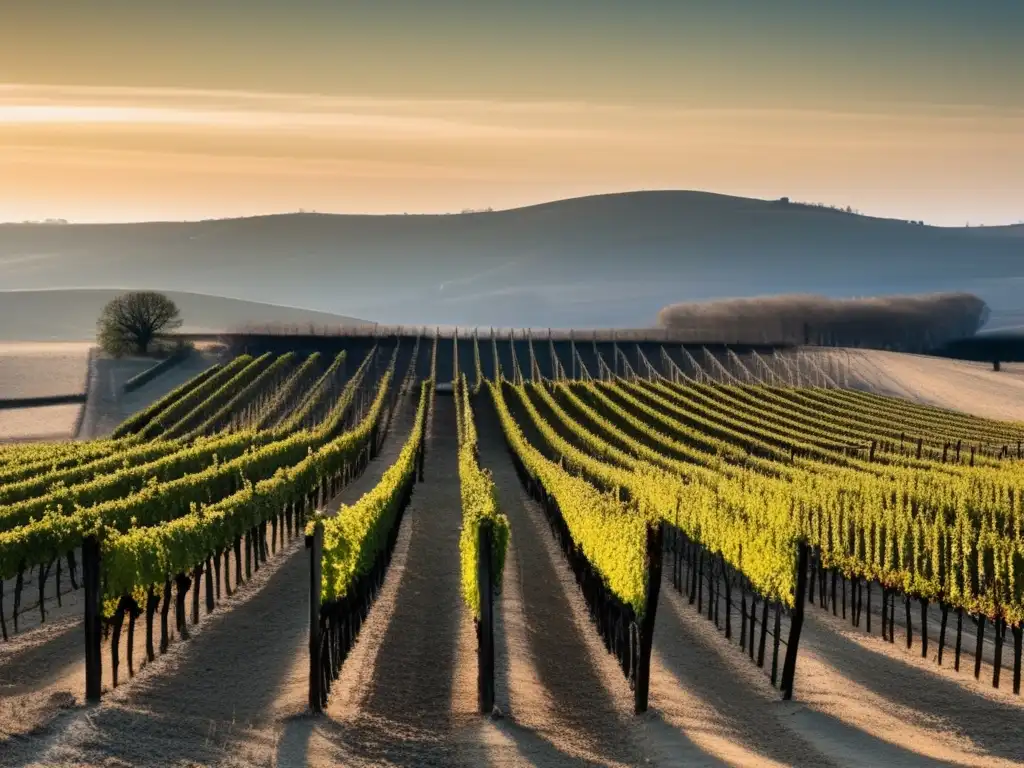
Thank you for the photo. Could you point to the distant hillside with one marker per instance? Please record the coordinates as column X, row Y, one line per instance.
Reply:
column 70, row 315
column 1012, row 230
column 609, row 260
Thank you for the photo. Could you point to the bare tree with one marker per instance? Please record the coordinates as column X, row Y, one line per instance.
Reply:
column 130, row 322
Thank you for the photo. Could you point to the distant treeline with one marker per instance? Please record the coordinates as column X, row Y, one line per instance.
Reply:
column 904, row 323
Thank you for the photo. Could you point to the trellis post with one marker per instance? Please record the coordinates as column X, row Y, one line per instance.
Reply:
column 795, row 624
column 655, row 537
column 93, row 619
column 315, row 545
column 485, row 628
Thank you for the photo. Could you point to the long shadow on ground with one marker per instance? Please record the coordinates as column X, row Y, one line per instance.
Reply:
column 856, row 748
column 530, row 745
column 556, row 644
column 40, row 662
column 983, row 720
column 743, row 713
column 406, row 715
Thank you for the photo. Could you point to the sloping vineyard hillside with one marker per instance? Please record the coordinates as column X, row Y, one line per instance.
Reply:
column 500, row 549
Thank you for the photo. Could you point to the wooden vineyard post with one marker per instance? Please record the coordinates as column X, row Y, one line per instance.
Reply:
column 997, row 665
column 1017, row 637
column 485, row 642
column 315, row 545
column 979, row 646
column 93, row 615
column 655, row 536
column 795, row 624
column 942, row 629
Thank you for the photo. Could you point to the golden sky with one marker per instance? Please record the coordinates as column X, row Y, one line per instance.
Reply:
column 222, row 109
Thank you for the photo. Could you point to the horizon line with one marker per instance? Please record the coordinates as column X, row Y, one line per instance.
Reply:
column 58, row 221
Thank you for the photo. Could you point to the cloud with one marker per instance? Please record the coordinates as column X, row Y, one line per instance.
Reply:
column 27, row 258
column 102, row 152
column 30, row 106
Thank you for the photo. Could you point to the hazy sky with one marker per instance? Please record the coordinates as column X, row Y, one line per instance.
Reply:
column 157, row 110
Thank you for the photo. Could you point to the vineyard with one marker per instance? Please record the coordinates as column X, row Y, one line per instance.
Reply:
column 622, row 553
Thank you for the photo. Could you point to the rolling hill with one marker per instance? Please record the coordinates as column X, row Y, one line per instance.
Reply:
column 70, row 315
column 609, row 260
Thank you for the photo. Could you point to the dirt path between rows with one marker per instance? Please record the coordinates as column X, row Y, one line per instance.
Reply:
column 859, row 702
column 401, row 696
column 568, row 702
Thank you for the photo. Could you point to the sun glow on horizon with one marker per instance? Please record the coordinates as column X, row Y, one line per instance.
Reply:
column 107, row 153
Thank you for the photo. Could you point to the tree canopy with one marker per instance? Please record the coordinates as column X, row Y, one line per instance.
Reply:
column 130, row 322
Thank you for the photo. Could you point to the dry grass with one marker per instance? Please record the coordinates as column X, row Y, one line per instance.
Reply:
column 956, row 384
column 54, row 422
column 42, row 369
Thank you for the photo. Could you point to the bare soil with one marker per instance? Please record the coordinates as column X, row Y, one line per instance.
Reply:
column 41, row 369
column 956, row 384
column 49, row 423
